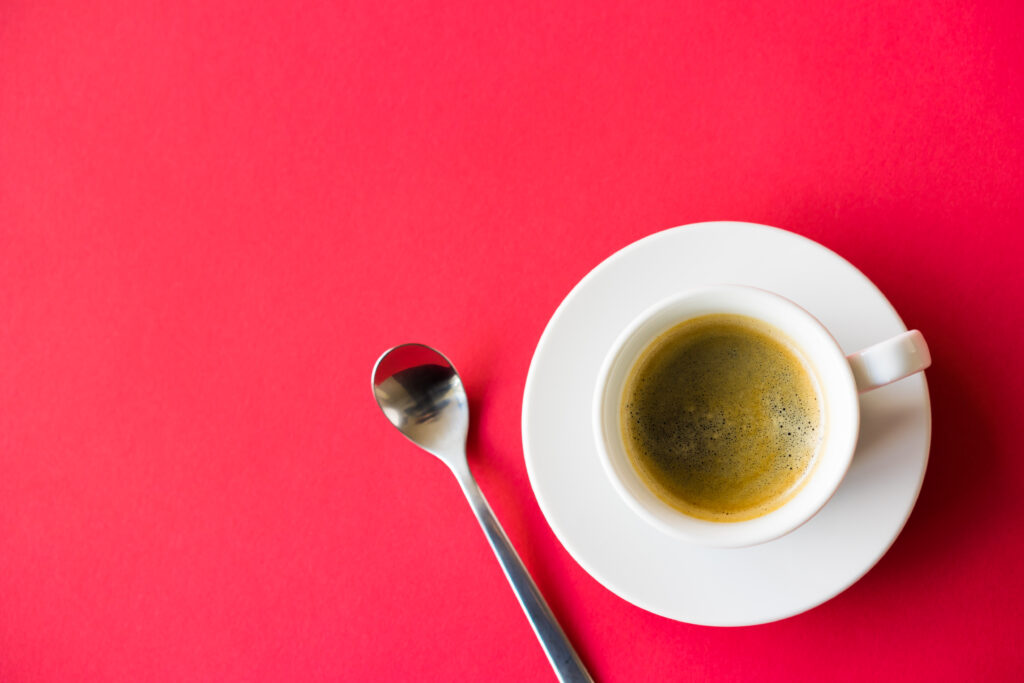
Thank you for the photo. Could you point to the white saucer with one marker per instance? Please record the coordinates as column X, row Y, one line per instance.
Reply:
column 664, row 575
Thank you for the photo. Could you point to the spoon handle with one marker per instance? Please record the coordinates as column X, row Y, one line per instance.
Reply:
column 556, row 645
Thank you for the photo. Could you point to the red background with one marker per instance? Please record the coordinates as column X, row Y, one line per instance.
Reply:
column 215, row 215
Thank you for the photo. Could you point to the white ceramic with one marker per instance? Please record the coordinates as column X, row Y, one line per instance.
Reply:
column 656, row 571
column 833, row 378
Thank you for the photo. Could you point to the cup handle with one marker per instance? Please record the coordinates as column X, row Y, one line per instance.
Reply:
column 890, row 360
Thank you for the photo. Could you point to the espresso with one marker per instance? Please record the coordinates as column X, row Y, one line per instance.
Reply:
column 721, row 418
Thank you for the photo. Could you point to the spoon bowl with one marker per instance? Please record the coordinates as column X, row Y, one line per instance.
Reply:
column 422, row 395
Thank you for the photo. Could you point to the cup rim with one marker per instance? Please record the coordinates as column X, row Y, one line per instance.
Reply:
column 771, row 525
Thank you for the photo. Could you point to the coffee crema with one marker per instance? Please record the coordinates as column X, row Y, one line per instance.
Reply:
column 721, row 418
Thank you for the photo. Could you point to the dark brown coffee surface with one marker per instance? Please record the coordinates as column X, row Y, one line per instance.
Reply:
column 721, row 418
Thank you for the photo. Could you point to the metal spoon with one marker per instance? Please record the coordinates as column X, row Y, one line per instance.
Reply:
column 421, row 393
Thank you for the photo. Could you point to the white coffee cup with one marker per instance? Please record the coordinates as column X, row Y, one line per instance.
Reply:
column 839, row 379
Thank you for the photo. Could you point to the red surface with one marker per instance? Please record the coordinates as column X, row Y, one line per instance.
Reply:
column 215, row 215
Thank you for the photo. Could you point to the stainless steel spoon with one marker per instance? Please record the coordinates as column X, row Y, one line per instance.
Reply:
column 421, row 393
